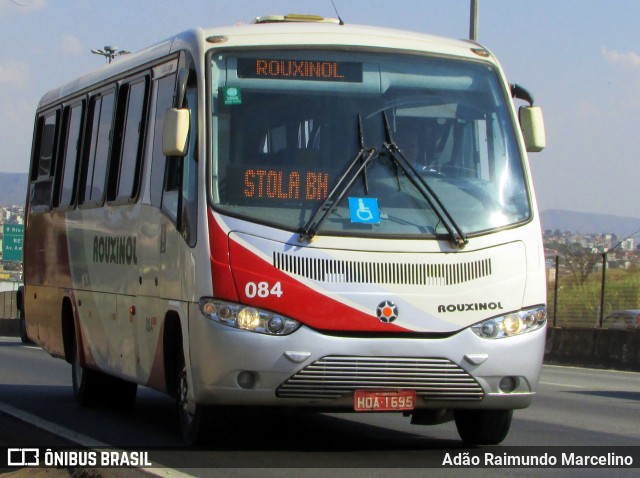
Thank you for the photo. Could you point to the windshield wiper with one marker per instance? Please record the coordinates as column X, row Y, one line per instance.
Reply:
column 458, row 238
column 357, row 166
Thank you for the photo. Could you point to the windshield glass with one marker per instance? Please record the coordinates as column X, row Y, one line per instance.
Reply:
column 288, row 125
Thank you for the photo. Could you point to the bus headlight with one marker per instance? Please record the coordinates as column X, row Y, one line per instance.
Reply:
column 516, row 323
column 247, row 318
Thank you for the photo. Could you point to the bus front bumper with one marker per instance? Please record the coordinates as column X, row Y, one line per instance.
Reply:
column 311, row 369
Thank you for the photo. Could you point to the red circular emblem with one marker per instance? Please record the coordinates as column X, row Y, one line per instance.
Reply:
column 387, row 311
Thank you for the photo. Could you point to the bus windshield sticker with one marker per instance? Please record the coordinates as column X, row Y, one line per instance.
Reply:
column 364, row 210
column 232, row 95
column 305, row 70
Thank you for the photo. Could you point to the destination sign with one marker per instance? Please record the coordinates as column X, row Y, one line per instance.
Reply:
column 273, row 185
column 305, row 70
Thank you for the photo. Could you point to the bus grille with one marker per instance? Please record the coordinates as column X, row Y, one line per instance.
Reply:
column 335, row 376
column 361, row 272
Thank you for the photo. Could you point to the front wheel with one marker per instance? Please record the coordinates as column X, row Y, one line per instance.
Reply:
column 192, row 425
column 483, row 427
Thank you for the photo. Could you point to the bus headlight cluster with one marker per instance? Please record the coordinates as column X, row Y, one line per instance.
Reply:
column 512, row 324
column 247, row 318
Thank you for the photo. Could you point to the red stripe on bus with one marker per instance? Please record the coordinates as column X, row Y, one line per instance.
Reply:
column 297, row 301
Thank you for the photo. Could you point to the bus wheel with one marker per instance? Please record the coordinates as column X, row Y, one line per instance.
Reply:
column 23, row 328
column 191, row 424
column 483, row 427
column 87, row 384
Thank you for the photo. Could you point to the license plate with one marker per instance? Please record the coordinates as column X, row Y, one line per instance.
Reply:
column 384, row 401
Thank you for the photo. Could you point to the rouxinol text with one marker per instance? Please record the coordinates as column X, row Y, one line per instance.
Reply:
column 115, row 250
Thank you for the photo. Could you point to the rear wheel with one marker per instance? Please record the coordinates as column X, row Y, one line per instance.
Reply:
column 483, row 427
column 88, row 385
column 24, row 337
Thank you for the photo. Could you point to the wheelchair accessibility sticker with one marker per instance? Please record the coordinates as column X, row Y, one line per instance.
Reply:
column 364, row 210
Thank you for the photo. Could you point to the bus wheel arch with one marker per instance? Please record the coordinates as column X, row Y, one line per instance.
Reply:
column 172, row 348
column 87, row 383
column 91, row 387
column 24, row 335
column 190, row 425
column 68, row 326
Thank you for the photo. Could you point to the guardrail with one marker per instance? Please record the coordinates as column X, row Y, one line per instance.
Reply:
column 595, row 348
column 8, row 305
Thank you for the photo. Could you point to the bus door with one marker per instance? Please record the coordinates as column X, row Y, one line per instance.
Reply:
column 168, row 234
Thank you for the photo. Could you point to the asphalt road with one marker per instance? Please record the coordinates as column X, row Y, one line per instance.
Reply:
column 574, row 408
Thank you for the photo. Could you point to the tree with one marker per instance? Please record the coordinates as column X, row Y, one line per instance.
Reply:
column 579, row 260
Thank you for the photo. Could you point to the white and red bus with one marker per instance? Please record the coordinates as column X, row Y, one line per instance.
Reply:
column 293, row 213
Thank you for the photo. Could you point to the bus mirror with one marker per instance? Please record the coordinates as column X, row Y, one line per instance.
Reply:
column 532, row 126
column 175, row 133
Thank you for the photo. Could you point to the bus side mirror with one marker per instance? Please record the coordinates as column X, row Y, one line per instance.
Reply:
column 175, row 132
column 532, row 125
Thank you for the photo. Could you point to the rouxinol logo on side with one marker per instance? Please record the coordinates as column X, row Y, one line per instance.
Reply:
column 115, row 250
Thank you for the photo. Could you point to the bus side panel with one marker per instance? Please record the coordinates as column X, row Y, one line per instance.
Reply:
column 130, row 290
column 46, row 271
column 95, row 311
column 42, row 313
column 46, row 259
column 124, row 355
column 159, row 290
column 150, row 345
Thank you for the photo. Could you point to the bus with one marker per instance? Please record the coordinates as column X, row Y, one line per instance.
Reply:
column 292, row 213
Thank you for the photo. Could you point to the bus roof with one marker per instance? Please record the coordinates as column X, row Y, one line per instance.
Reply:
column 330, row 33
column 275, row 32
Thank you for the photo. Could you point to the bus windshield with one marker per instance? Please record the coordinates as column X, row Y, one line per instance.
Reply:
column 288, row 124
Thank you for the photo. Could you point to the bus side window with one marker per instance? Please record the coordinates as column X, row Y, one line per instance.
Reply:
column 96, row 160
column 69, row 153
column 164, row 100
column 43, row 164
column 124, row 177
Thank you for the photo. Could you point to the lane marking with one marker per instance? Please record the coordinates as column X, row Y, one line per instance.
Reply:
column 566, row 385
column 587, row 369
column 51, row 427
column 80, row 439
column 84, row 440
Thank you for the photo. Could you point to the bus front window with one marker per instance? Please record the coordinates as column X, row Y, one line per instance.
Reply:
column 288, row 124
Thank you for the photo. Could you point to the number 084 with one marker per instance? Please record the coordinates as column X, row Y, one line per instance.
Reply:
column 262, row 289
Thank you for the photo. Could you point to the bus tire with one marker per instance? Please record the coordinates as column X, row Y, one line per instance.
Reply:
column 24, row 337
column 22, row 324
column 483, row 427
column 192, row 426
column 87, row 384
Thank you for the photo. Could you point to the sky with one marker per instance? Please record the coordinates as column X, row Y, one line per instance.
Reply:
column 579, row 58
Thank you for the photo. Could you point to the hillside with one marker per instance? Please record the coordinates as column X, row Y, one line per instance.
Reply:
column 589, row 223
column 13, row 189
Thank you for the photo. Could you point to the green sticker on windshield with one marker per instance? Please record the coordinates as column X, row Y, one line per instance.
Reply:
column 232, row 95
